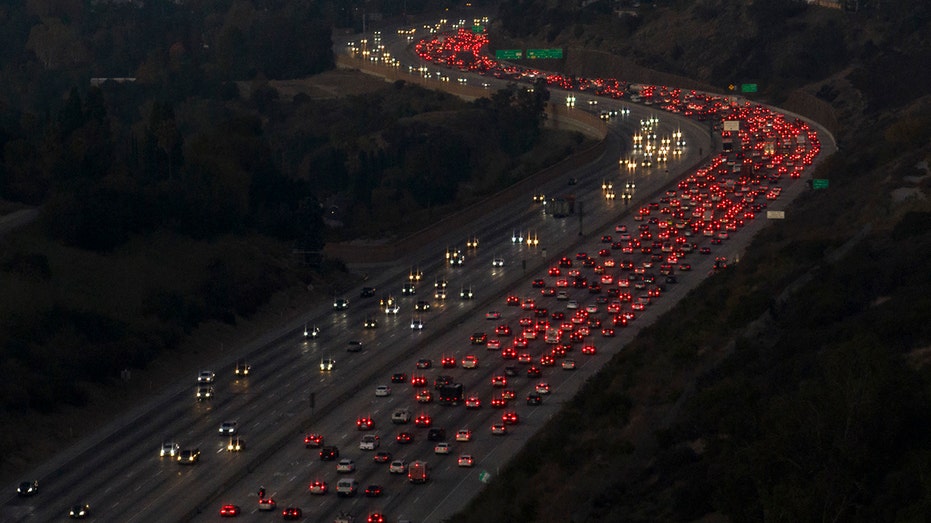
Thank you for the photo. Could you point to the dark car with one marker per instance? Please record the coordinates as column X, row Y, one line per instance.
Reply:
column 436, row 434
column 292, row 513
column 534, row 399
column 28, row 488
column 374, row 491
column 329, row 453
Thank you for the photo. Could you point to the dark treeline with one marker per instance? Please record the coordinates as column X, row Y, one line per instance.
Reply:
column 198, row 177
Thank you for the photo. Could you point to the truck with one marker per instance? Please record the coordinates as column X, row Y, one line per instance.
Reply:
column 562, row 206
column 418, row 472
column 451, row 394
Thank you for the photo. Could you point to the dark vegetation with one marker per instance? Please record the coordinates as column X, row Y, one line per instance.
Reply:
column 175, row 200
column 794, row 386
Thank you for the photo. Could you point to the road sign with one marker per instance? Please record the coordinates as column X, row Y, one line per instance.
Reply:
column 478, row 29
column 544, row 53
column 775, row 215
column 819, row 183
column 748, row 88
column 484, row 476
column 731, row 125
column 509, row 54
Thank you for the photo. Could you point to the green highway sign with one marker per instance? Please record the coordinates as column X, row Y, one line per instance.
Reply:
column 484, row 476
column 477, row 29
column 509, row 54
column 544, row 53
column 748, row 88
column 819, row 183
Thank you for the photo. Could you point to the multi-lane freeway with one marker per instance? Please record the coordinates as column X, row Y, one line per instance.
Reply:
column 120, row 474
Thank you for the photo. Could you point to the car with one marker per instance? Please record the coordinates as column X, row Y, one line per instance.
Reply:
column 354, row 346
column 465, row 460
column 512, row 300
column 204, row 392
column 606, row 332
column 524, row 357
column 568, row 364
column 189, row 456
column 79, row 511
column 448, row 362
column 229, row 511
column 423, row 421
column 436, row 434
column 228, row 428
column 497, row 262
column 242, row 368
column 510, row 371
column 369, row 442
column 478, row 338
column 365, row 423
column 367, row 292
column 542, row 388
column 371, row 322
column 376, row 517
column 473, row 402
column 499, row 402
column 422, row 306
column 546, row 360
column 464, row 435
column 499, row 429
column 235, row 444
column 470, row 361
column 510, row 417
column 398, row 377
column 327, row 364
column 534, row 399
column 398, row 466
column 404, row 438
column 329, row 453
column 499, row 381
column 538, row 283
column 441, row 448
column 374, row 491
column 382, row 456
column 492, row 315
column 206, row 376
column 493, row 344
column 509, row 353
column 318, row 487
column 416, row 324
column 311, row 332
column 466, row 293
column 534, row 372
column 409, row 289
column 340, row 304
column 267, row 504
column 589, row 349
column 382, row 391
column 313, row 440
column 345, row 465
column 292, row 513
column 424, row 396
column 572, row 304
column 424, row 363
column 169, row 448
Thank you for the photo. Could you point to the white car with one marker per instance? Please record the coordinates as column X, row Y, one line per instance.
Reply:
column 492, row 315
column 499, row 429
column 228, row 428
column 572, row 304
column 464, row 435
column 398, row 466
column 382, row 391
column 369, row 442
column 206, row 376
column 542, row 388
column 345, row 465
column 416, row 324
column 568, row 364
column 441, row 448
column 465, row 460
column 562, row 295
column 170, row 449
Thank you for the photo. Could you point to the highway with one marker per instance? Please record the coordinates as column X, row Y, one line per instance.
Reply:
column 119, row 473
